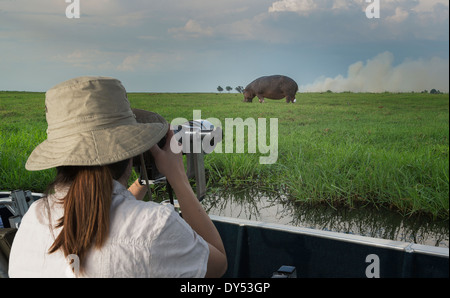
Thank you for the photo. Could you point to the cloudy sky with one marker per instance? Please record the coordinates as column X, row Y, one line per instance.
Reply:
column 197, row 45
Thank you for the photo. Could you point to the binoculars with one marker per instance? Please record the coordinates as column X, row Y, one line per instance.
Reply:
column 197, row 138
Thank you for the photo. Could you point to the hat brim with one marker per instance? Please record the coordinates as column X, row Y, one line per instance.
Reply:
column 100, row 147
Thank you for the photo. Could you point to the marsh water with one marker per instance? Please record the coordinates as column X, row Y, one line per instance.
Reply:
column 382, row 223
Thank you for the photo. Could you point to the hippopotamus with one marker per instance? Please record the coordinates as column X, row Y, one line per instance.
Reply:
column 272, row 87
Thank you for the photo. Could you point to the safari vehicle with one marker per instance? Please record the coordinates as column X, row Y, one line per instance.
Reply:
column 262, row 250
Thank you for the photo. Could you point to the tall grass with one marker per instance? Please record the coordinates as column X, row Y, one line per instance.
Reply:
column 22, row 128
column 338, row 149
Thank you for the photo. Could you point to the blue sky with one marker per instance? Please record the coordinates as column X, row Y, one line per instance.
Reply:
column 197, row 45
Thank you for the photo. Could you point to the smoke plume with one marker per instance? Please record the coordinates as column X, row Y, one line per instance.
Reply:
column 380, row 75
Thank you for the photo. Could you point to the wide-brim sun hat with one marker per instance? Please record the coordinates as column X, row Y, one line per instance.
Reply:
column 91, row 123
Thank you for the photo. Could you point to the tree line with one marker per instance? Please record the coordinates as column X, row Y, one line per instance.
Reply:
column 432, row 91
column 239, row 89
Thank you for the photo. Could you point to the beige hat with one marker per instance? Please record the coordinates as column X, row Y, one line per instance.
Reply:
column 90, row 123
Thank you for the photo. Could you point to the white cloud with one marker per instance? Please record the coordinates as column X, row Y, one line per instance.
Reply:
column 342, row 4
column 118, row 61
column 429, row 5
column 130, row 63
column 399, row 16
column 144, row 61
column 397, row 11
column 192, row 29
column 45, row 7
column 306, row 7
column 394, row 10
column 299, row 6
column 379, row 75
column 87, row 59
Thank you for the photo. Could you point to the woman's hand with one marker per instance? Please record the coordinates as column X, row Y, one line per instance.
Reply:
column 170, row 164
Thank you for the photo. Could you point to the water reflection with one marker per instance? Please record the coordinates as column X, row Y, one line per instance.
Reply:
column 253, row 204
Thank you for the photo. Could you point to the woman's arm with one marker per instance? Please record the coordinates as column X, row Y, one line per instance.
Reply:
column 138, row 190
column 171, row 165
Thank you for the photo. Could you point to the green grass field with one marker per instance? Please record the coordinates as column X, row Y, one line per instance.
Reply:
column 346, row 149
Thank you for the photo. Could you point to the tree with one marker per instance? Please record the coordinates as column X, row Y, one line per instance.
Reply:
column 228, row 88
column 239, row 89
column 434, row 91
column 220, row 89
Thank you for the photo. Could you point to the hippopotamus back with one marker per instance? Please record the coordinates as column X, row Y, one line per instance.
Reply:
column 272, row 87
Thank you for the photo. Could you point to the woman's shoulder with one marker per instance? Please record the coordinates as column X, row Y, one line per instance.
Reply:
column 124, row 202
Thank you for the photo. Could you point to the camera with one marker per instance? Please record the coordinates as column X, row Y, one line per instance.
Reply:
column 197, row 138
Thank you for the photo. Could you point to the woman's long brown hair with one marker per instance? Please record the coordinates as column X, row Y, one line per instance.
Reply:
column 86, row 207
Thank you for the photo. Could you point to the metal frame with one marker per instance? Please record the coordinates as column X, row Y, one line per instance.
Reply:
column 18, row 202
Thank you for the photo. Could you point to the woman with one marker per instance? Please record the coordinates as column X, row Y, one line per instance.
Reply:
column 89, row 224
